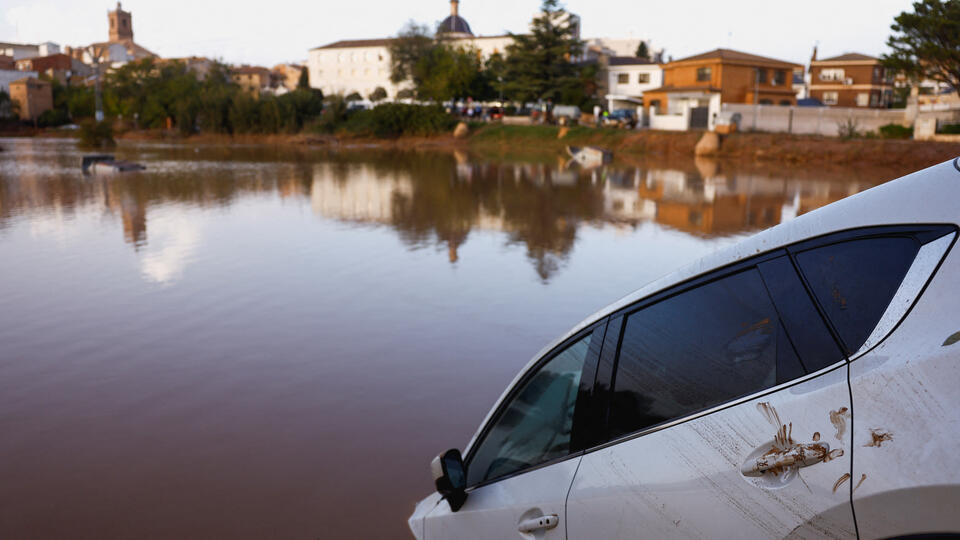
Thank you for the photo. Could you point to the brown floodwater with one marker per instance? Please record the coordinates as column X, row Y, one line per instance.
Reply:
column 263, row 342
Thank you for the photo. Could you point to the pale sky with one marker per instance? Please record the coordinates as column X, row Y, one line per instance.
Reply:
column 283, row 30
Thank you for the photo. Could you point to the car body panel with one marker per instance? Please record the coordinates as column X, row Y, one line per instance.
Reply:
column 495, row 510
column 907, row 418
column 684, row 481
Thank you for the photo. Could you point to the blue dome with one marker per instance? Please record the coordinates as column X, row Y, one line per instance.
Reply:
column 454, row 24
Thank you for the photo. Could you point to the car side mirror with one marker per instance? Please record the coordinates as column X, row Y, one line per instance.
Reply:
column 450, row 477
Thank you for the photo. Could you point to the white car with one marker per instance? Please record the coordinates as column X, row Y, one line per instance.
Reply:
column 804, row 383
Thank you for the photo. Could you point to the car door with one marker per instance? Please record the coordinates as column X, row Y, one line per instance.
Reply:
column 520, row 468
column 728, row 405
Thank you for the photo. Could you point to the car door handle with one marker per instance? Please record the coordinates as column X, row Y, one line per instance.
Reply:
column 777, row 460
column 538, row 523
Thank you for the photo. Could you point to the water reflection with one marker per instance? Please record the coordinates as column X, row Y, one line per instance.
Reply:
column 436, row 199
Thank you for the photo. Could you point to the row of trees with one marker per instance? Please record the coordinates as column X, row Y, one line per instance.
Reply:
column 152, row 94
column 537, row 66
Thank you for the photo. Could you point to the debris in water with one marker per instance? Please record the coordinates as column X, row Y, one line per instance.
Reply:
column 955, row 337
column 816, row 436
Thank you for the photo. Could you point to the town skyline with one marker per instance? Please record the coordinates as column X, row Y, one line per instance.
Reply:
column 214, row 31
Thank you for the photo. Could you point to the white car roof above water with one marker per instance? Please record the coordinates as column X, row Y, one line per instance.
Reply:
column 927, row 196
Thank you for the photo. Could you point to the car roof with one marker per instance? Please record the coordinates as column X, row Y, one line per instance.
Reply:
column 931, row 195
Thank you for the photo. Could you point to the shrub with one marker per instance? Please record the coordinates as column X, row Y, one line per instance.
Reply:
column 952, row 129
column 96, row 134
column 848, row 129
column 396, row 119
column 53, row 118
column 896, row 131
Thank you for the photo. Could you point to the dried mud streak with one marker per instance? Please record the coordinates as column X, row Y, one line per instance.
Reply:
column 878, row 437
column 862, row 478
column 839, row 420
column 840, row 481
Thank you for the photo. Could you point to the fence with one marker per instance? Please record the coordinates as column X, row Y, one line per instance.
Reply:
column 813, row 120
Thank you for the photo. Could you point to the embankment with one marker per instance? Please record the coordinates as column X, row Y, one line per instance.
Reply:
column 748, row 147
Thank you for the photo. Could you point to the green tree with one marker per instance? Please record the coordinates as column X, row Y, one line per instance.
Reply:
column 354, row 96
column 438, row 70
column 926, row 42
column 411, row 44
column 540, row 64
column 378, row 94
column 642, row 51
column 304, row 81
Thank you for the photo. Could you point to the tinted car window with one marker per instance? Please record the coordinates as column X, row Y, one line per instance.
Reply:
column 808, row 332
column 535, row 426
column 854, row 281
column 698, row 349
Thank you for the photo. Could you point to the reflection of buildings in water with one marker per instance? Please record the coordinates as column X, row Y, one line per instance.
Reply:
column 174, row 240
column 359, row 195
column 134, row 216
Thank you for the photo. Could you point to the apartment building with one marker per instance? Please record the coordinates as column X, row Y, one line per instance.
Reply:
column 851, row 80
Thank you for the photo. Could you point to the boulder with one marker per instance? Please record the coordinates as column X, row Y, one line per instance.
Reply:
column 708, row 145
column 461, row 130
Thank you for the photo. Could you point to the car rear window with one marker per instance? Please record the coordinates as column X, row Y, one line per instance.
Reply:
column 695, row 350
column 855, row 280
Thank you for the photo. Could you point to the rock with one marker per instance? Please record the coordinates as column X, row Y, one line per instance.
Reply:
column 708, row 145
column 563, row 132
column 461, row 130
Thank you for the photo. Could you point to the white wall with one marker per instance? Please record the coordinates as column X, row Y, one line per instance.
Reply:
column 634, row 87
column 812, row 120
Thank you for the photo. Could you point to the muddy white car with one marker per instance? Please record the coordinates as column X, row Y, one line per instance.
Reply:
column 804, row 383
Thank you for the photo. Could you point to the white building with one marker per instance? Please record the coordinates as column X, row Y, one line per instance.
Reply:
column 362, row 65
column 628, row 77
column 20, row 51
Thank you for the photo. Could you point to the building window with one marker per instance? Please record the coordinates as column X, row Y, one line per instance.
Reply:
column 703, row 74
column 779, row 77
column 761, row 75
column 766, row 102
column 655, row 105
column 831, row 74
column 785, row 102
column 863, row 99
column 877, row 73
column 623, row 78
column 874, row 99
column 830, row 98
column 643, row 78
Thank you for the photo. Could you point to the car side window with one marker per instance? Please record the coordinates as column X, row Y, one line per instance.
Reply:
column 698, row 349
column 535, row 426
column 855, row 280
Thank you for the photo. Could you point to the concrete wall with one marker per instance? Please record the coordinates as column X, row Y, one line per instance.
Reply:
column 812, row 120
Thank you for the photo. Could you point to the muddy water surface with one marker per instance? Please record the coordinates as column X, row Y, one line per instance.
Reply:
column 253, row 342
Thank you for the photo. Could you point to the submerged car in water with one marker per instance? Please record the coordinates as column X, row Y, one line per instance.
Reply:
column 804, row 383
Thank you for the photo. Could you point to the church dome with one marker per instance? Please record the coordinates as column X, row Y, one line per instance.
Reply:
column 454, row 24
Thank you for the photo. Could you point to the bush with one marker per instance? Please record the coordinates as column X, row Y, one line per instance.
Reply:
column 896, row 131
column 848, row 129
column 396, row 119
column 53, row 118
column 951, row 129
column 96, row 134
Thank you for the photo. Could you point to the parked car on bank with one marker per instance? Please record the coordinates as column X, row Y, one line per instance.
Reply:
column 624, row 118
column 800, row 384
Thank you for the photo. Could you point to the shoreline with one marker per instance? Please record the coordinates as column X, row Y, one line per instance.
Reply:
column 544, row 141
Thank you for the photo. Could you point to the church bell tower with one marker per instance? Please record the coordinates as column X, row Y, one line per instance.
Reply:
column 121, row 24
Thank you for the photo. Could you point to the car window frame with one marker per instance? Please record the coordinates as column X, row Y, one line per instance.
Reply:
column 587, row 383
column 924, row 232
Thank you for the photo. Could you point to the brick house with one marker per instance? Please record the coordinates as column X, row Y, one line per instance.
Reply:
column 850, row 80
column 32, row 96
column 252, row 79
column 696, row 86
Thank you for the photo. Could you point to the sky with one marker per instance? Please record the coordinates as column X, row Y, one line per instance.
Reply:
column 267, row 33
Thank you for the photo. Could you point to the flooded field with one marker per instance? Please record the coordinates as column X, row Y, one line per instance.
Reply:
column 256, row 342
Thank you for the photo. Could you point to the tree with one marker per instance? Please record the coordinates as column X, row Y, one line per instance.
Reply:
column 539, row 64
column 304, row 81
column 354, row 96
column 926, row 42
column 438, row 70
column 642, row 51
column 378, row 94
